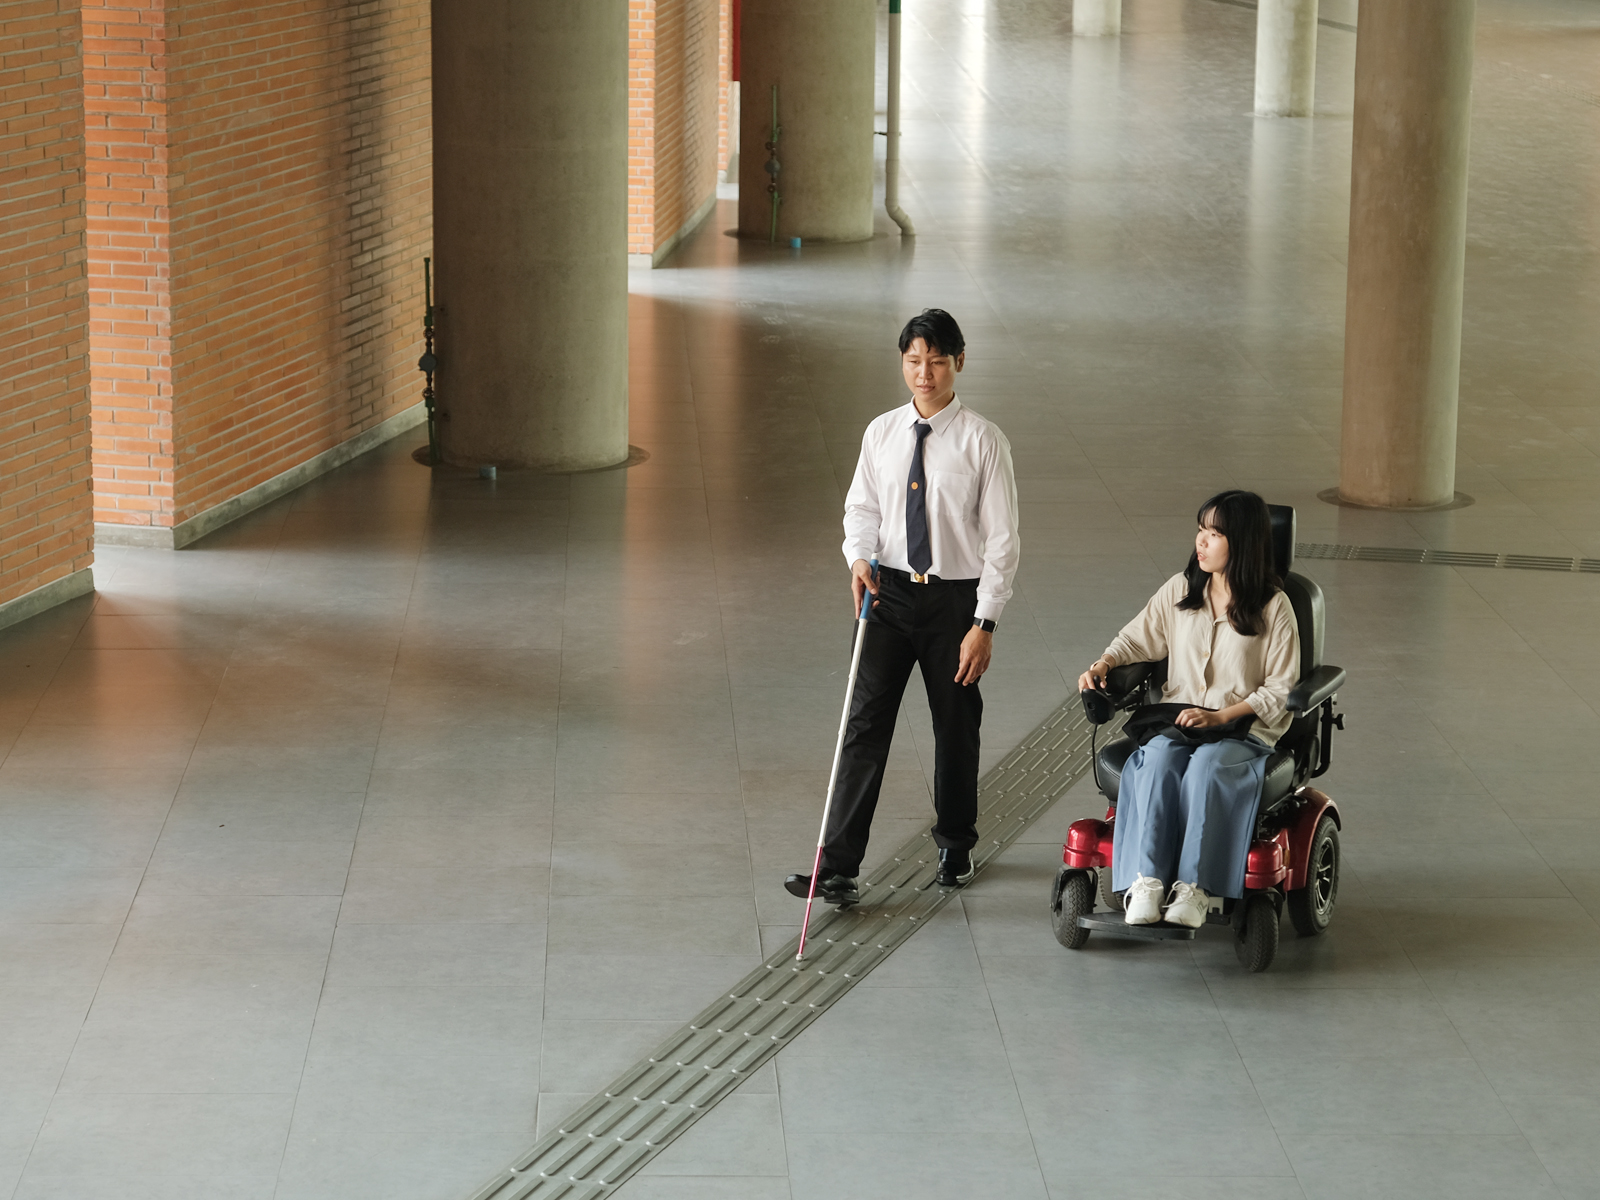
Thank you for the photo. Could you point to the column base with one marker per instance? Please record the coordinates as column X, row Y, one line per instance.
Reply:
column 636, row 455
column 1332, row 496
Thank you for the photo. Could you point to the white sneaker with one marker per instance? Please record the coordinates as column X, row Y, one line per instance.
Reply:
column 1142, row 902
column 1188, row 907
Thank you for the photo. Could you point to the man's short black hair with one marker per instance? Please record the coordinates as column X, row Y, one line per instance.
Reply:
column 938, row 329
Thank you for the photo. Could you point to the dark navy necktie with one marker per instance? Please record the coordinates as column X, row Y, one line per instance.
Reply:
column 919, row 553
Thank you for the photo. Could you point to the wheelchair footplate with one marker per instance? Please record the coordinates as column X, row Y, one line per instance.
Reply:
column 1111, row 924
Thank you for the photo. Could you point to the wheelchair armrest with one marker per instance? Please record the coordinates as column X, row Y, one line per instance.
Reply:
column 1125, row 681
column 1125, row 688
column 1316, row 687
column 1122, row 680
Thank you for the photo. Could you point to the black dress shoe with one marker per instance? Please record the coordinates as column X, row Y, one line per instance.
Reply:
column 955, row 868
column 831, row 887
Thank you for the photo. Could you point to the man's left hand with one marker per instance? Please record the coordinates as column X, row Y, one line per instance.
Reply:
column 976, row 648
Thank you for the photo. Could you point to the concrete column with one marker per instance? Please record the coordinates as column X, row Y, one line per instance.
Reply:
column 1408, row 206
column 1286, row 58
column 1096, row 18
column 821, row 54
column 530, row 231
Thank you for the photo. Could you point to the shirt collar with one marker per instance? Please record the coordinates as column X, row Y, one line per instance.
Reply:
column 940, row 419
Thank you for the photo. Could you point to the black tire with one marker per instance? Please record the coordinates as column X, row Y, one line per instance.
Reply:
column 1311, row 907
column 1073, row 897
column 1110, row 899
column 1256, row 936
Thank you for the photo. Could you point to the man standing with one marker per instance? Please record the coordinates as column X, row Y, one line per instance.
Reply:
column 934, row 500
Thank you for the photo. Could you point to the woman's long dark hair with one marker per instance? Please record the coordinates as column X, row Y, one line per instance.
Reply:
column 1242, row 518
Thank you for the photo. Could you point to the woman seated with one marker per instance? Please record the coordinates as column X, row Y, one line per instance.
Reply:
column 1187, row 803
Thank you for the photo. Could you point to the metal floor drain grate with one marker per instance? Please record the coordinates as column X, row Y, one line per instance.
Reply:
column 622, row 1128
column 1446, row 558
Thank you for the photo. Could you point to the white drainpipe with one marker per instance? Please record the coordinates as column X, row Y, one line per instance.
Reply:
column 891, row 163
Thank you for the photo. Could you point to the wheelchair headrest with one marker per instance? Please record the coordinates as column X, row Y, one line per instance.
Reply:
column 1282, row 538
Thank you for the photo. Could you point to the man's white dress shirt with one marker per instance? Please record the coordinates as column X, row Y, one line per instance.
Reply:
column 971, row 502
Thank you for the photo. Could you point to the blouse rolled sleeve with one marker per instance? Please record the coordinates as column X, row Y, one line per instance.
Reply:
column 1282, row 662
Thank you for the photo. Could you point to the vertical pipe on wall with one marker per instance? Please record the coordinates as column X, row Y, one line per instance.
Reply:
column 891, row 162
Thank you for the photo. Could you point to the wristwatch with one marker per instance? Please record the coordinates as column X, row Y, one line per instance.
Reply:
column 983, row 623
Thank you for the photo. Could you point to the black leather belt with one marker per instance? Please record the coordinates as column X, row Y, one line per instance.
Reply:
column 910, row 577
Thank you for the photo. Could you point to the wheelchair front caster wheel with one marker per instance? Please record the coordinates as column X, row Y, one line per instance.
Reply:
column 1074, row 898
column 1255, row 938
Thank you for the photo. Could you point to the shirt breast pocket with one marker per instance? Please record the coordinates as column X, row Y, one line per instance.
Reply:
column 952, row 493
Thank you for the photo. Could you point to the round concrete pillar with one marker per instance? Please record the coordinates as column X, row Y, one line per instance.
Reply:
column 1096, row 18
column 820, row 54
column 1408, row 207
column 1286, row 58
column 530, row 231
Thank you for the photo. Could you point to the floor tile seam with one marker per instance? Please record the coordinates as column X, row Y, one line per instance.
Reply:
column 954, row 139
column 122, row 926
column 555, row 759
column 316, row 1012
column 1476, row 590
column 1016, row 1088
column 366, row 792
column 1244, row 1065
column 783, row 1129
column 55, row 673
column 1470, row 1054
column 722, row 631
column 1541, row 656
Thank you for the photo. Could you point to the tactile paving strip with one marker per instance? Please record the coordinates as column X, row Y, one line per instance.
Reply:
column 1446, row 558
column 617, row 1132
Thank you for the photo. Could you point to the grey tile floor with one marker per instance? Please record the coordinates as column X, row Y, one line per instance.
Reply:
column 346, row 849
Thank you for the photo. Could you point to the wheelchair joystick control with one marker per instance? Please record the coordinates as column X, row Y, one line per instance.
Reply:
column 1097, row 705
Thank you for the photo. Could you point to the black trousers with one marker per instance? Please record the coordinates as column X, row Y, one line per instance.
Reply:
column 914, row 624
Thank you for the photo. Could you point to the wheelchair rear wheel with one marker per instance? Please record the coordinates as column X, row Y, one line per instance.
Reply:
column 1255, row 938
column 1311, row 907
column 1073, row 897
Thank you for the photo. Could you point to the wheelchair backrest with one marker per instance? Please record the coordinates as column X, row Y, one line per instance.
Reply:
column 1283, row 531
column 1304, row 595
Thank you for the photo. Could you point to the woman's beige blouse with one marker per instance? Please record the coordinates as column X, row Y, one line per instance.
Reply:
column 1209, row 663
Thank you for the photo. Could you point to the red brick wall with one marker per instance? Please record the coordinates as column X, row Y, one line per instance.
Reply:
column 125, row 119
column 724, row 79
column 677, row 96
column 45, row 521
column 641, row 125
column 298, row 196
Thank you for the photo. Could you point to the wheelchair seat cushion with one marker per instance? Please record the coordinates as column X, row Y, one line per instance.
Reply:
column 1277, row 783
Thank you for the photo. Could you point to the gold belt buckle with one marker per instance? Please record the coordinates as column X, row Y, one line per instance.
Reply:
column 915, row 578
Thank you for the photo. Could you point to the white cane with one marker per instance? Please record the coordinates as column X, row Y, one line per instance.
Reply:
column 838, row 751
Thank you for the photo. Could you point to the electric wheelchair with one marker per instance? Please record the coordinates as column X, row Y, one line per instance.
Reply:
column 1294, row 856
